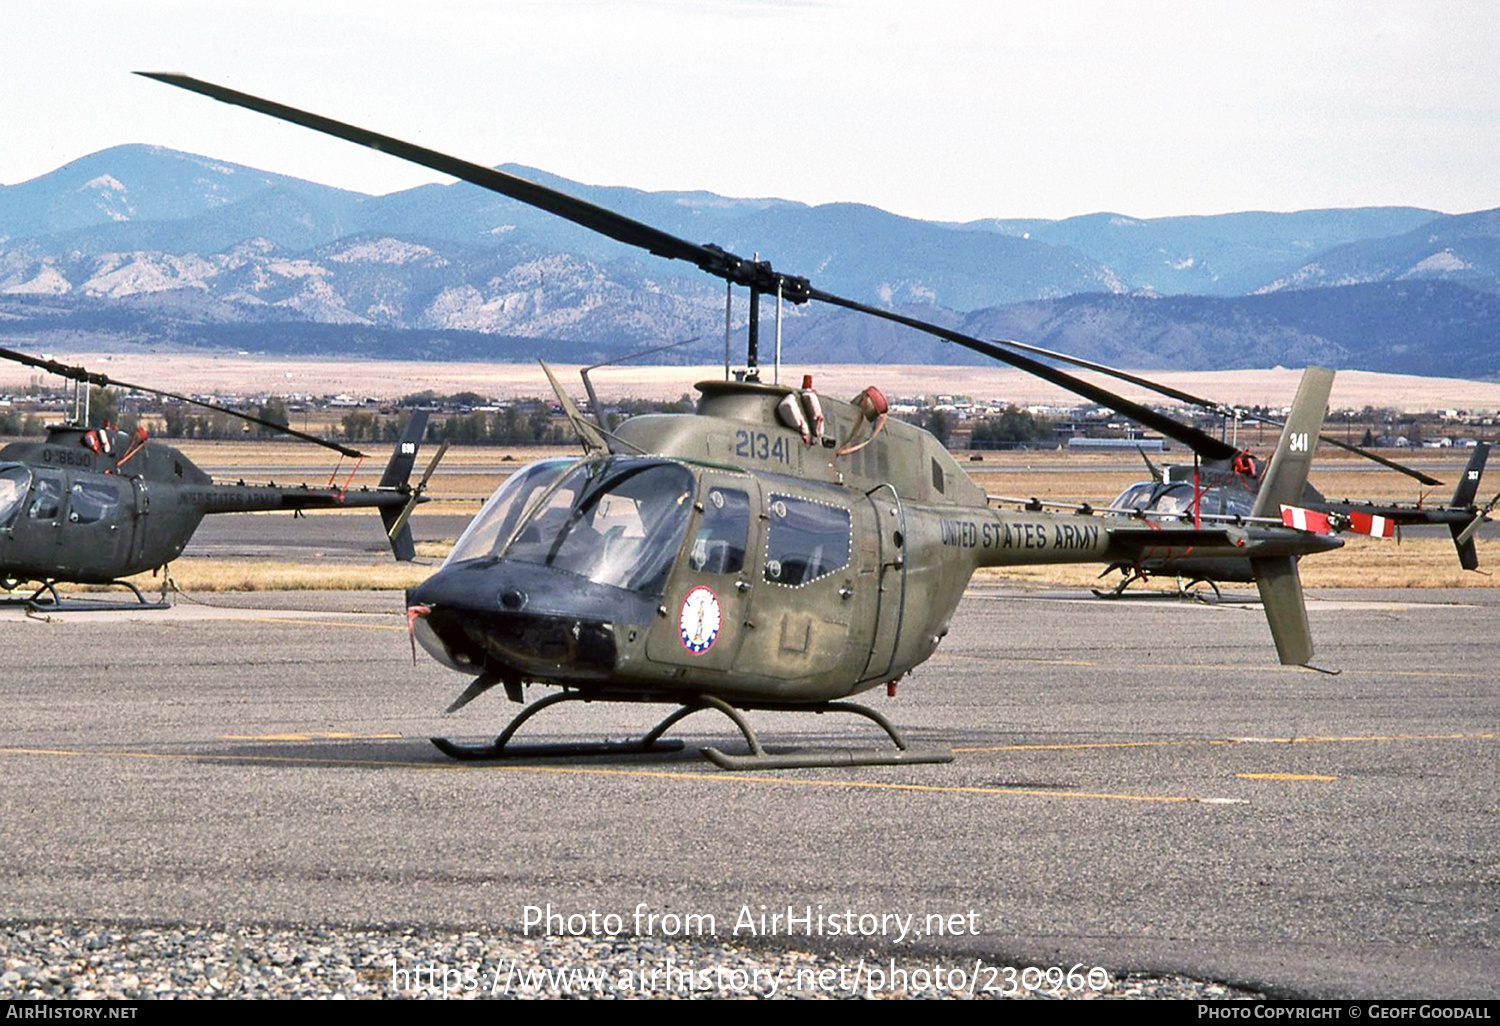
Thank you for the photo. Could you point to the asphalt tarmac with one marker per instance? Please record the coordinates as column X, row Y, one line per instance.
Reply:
column 1138, row 787
column 342, row 537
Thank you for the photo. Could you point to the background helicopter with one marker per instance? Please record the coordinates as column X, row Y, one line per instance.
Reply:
column 776, row 549
column 94, row 505
column 1229, row 488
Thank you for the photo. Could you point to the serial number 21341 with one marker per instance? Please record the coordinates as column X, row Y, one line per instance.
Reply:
column 760, row 446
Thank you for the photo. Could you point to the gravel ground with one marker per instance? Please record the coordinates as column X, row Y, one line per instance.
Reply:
column 132, row 962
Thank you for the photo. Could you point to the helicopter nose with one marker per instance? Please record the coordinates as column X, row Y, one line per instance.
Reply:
column 522, row 620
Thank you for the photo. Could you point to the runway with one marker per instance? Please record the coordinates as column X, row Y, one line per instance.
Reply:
column 1138, row 787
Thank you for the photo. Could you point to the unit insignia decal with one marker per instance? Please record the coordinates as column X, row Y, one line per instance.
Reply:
column 698, row 626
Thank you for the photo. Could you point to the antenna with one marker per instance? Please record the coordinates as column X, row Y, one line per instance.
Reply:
column 776, row 372
column 594, row 406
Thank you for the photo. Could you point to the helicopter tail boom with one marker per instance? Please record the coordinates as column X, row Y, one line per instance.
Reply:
column 394, row 497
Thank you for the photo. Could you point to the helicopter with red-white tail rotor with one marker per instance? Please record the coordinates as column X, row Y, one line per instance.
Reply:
column 779, row 548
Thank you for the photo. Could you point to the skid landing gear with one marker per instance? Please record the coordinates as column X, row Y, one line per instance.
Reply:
column 1200, row 589
column 1118, row 590
column 1209, row 595
column 758, row 758
column 46, row 600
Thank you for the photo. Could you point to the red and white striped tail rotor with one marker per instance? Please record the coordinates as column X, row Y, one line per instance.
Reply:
column 1374, row 526
column 1306, row 520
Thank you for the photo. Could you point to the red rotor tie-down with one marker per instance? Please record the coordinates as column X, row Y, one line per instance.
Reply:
column 412, row 612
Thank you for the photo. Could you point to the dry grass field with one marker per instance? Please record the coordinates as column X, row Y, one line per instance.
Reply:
column 249, row 375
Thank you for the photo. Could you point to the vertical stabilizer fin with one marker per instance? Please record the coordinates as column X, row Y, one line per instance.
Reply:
column 397, row 474
column 1463, row 497
column 1287, row 475
column 1468, row 482
column 398, row 470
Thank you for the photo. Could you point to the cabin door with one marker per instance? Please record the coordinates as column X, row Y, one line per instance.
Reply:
column 707, row 595
column 96, row 527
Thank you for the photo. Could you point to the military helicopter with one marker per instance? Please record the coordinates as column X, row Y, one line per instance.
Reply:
column 94, row 505
column 1230, row 488
column 1173, row 492
column 777, row 549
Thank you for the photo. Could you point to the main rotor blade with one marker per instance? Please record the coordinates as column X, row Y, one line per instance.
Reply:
column 1201, row 442
column 1155, row 386
column 102, row 380
column 1426, row 479
column 757, row 275
column 606, row 222
column 1222, row 409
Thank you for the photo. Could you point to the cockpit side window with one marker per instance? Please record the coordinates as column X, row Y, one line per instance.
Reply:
column 92, row 502
column 1177, row 498
column 15, row 482
column 719, row 544
column 806, row 540
column 46, row 498
column 1137, row 496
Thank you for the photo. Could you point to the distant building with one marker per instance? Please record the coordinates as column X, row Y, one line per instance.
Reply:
column 1078, row 444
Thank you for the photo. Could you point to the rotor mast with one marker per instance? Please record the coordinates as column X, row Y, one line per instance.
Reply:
column 752, row 337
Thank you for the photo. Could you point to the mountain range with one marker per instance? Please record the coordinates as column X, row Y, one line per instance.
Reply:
column 140, row 245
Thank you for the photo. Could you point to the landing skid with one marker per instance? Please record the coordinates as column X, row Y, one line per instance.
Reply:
column 1190, row 590
column 758, row 758
column 46, row 600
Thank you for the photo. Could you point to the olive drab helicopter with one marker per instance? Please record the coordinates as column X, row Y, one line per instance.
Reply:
column 94, row 505
column 1230, row 488
column 1176, row 491
column 777, row 549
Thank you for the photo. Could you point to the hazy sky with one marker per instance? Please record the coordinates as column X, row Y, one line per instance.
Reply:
column 942, row 110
